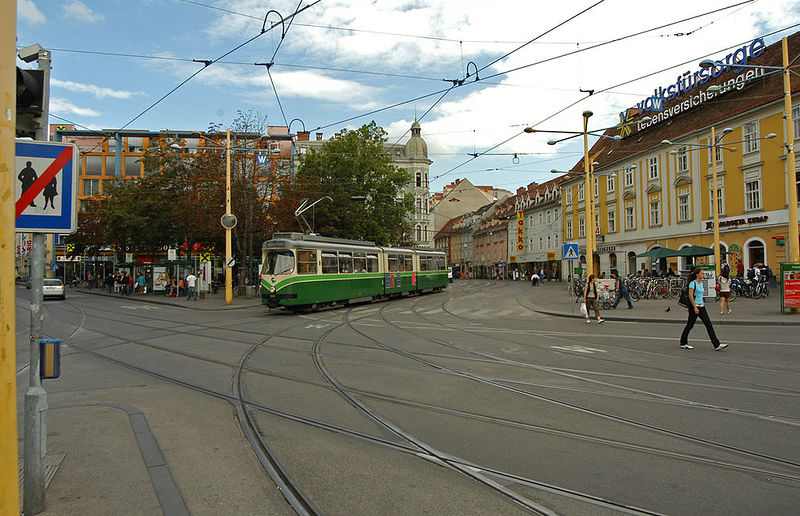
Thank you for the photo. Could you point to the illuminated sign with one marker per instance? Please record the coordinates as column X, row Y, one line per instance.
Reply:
column 520, row 231
column 689, row 81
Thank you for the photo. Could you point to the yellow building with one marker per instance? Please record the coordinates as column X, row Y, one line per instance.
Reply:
column 666, row 200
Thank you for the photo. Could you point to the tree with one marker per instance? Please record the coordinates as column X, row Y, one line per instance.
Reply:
column 363, row 183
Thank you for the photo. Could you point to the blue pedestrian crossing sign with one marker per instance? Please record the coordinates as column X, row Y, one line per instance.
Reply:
column 46, row 187
column 571, row 251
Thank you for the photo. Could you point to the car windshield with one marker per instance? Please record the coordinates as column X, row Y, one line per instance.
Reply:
column 52, row 283
column 279, row 262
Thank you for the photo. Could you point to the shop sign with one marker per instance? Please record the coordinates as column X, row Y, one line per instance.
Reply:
column 520, row 231
column 606, row 249
column 690, row 81
column 551, row 255
column 771, row 218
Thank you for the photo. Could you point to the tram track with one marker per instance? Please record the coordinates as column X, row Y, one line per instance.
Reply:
column 240, row 400
column 300, row 503
column 597, row 413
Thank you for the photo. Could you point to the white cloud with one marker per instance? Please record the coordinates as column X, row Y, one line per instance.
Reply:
column 97, row 91
column 27, row 11
column 81, row 12
column 61, row 106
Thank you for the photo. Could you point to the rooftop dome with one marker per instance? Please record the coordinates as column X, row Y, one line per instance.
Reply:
column 416, row 146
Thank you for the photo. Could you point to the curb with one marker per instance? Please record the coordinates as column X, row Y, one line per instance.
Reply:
column 154, row 301
column 738, row 322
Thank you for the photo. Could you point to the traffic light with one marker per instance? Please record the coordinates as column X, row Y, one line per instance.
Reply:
column 30, row 89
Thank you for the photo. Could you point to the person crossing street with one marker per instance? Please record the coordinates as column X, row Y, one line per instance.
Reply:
column 621, row 290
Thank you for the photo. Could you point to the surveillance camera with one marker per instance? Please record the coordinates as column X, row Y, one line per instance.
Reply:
column 30, row 53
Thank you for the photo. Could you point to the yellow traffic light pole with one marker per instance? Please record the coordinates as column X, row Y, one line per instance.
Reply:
column 9, row 480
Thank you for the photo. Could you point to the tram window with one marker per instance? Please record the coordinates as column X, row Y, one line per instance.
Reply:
column 424, row 263
column 330, row 263
column 359, row 262
column 306, row 261
column 372, row 263
column 279, row 262
column 440, row 263
column 408, row 263
column 345, row 263
column 394, row 262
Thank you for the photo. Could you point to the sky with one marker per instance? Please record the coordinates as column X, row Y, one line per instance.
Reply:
column 339, row 64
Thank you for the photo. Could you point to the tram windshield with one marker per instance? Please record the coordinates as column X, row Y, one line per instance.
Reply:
column 279, row 262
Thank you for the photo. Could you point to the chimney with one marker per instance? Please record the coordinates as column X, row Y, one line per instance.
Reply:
column 319, row 137
column 302, row 136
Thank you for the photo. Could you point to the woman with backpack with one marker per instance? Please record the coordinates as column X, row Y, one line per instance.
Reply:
column 697, row 309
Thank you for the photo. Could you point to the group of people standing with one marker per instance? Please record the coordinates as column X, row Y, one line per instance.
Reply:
column 125, row 283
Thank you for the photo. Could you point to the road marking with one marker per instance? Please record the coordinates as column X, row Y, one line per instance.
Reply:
column 317, row 325
column 579, row 349
column 141, row 307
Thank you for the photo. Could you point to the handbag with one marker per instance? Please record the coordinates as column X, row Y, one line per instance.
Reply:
column 583, row 310
column 683, row 299
column 717, row 288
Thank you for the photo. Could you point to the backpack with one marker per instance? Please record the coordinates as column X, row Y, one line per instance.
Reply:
column 683, row 299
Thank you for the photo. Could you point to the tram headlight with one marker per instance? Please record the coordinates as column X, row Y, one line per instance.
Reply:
column 271, row 290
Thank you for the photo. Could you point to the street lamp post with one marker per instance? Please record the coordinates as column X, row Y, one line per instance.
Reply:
column 715, row 193
column 794, row 232
column 715, row 144
column 588, row 180
column 588, row 197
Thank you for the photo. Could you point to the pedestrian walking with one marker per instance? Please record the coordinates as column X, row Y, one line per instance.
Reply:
column 724, row 284
column 697, row 309
column 534, row 279
column 621, row 290
column 590, row 299
column 191, row 279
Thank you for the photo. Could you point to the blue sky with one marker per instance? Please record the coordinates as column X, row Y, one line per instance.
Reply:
column 341, row 60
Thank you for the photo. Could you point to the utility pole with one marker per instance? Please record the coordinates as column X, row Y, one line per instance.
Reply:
column 33, row 501
column 9, row 480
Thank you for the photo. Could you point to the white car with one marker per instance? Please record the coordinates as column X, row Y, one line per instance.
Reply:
column 450, row 274
column 53, row 288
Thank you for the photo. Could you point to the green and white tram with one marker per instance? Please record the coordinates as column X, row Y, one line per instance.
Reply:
column 309, row 271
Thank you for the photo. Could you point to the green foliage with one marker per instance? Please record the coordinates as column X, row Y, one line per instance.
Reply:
column 354, row 164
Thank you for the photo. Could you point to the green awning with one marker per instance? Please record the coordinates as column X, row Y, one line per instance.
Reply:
column 696, row 250
column 659, row 252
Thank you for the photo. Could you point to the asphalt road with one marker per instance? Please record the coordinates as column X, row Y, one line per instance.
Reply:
column 461, row 402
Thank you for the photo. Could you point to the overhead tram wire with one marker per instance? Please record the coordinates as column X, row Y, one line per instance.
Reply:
column 616, row 40
column 209, row 63
column 455, row 83
column 242, row 63
column 572, row 104
column 622, row 38
column 206, row 64
column 272, row 61
column 551, row 29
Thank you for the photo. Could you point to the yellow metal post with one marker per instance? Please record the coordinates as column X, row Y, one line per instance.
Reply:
column 714, row 198
column 794, row 247
column 9, row 480
column 228, row 271
column 588, row 197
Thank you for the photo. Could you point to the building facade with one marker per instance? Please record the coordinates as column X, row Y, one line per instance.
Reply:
column 667, row 199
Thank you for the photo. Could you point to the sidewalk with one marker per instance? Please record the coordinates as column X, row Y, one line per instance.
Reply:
column 552, row 299
column 208, row 302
